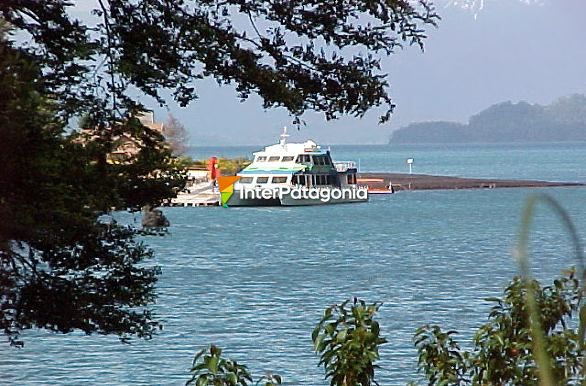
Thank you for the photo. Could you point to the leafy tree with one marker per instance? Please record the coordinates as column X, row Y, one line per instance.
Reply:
column 348, row 339
column 563, row 120
column 318, row 55
column 175, row 135
column 211, row 369
column 503, row 350
column 61, row 266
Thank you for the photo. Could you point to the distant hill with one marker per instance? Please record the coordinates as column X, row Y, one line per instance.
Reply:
column 563, row 120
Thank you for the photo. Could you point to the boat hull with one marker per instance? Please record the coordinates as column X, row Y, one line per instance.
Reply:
column 235, row 200
column 287, row 200
column 381, row 191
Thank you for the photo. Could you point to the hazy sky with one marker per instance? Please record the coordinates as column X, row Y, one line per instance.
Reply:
column 484, row 52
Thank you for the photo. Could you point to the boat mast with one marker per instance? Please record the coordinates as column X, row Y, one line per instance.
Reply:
column 284, row 136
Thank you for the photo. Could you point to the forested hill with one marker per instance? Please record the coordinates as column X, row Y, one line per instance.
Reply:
column 563, row 120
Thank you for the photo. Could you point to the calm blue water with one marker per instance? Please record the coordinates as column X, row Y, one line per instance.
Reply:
column 255, row 281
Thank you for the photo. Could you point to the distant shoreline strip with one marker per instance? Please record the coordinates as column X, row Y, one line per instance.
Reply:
column 402, row 181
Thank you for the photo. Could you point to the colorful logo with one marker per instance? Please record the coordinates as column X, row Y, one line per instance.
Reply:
column 226, row 185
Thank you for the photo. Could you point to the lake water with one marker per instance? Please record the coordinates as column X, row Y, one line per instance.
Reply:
column 255, row 280
column 551, row 162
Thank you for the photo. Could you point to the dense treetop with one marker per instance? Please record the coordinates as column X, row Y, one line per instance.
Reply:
column 323, row 56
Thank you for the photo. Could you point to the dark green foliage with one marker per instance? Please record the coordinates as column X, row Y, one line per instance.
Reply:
column 440, row 358
column 293, row 54
column 348, row 338
column 210, row 369
column 60, row 268
column 503, row 349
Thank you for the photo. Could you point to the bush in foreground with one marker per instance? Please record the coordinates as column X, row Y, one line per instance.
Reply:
column 504, row 350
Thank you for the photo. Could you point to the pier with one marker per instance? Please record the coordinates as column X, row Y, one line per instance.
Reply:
column 203, row 193
column 192, row 203
column 199, row 192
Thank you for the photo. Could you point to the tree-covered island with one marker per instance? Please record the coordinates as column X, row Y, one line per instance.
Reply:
column 563, row 120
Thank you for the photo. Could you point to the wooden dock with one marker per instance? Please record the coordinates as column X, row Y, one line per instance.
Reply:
column 200, row 194
column 204, row 194
column 192, row 204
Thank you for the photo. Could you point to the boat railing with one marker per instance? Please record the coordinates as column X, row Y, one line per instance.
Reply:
column 342, row 166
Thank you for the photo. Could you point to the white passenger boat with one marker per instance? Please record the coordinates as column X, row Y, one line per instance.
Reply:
column 292, row 174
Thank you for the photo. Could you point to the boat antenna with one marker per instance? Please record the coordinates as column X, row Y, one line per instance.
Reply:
column 284, row 136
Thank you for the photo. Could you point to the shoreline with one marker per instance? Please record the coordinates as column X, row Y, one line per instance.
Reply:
column 403, row 181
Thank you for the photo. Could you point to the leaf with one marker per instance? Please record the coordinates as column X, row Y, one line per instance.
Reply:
column 315, row 333
column 317, row 343
column 232, row 378
column 213, row 365
column 197, row 356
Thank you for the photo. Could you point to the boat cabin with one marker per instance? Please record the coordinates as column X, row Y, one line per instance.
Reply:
column 294, row 164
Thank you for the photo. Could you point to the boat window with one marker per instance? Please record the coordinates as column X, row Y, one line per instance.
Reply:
column 351, row 178
column 261, row 158
column 288, row 158
column 299, row 179
column 274, row 159
column 245, row 180
column 262, row 180
column 319, row 160
column 279, row 180
column 303, row 158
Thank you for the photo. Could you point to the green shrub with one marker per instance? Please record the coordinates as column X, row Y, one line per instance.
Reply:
column 348, row 339
column 503, row 350
column 210, row 369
